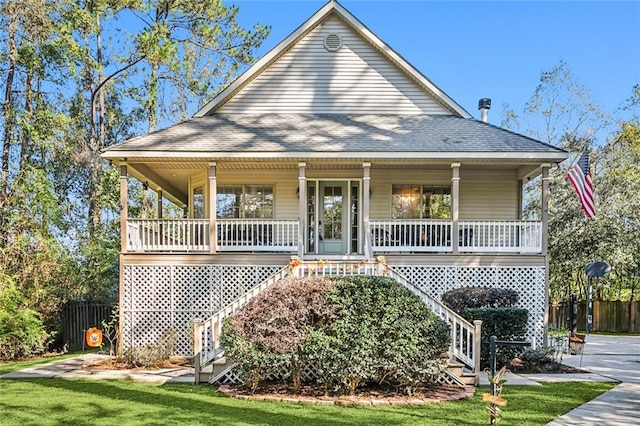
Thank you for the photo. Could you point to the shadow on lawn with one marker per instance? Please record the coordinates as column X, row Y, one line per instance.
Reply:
column 180, row 403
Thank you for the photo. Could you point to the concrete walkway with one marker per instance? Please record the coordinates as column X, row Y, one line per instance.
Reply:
column 615, row 357
column 77, row 368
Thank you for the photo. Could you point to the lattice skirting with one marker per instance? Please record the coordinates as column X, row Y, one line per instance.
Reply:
column 231, row 377
column 155, row 298
column 529, row 282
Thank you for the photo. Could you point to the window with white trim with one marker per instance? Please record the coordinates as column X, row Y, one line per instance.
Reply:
column 420, row 202
column 244, row 202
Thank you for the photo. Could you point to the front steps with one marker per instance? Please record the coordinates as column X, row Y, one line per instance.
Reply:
column 220, row 372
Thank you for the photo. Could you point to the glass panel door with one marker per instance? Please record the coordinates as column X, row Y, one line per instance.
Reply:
column 333, row 226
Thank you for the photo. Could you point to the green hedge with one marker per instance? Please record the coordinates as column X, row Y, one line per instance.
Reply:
column 479, row 297
column 352, row 331
column 505, row 324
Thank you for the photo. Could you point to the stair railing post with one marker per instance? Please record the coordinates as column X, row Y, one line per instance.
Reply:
column 476, row 349
column 197, row 348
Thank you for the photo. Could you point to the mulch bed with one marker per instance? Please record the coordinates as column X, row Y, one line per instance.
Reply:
column 551, row 368
column 114, row 364
column 366, row 397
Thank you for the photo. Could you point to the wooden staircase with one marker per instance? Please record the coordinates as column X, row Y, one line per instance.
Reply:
column 462, row 359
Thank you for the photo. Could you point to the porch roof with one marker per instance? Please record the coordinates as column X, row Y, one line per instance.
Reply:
column 272, row 135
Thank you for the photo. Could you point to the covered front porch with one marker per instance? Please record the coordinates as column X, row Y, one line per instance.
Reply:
column 332, row 213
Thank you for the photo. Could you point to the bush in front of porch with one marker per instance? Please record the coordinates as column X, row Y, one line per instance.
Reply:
column 363, row 330
column 500, row 318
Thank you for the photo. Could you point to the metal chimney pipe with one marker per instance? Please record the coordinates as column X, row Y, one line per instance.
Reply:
column 484, row 105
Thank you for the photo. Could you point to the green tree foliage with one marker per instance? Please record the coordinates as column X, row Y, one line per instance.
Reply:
column 562, row 113
column 21, row 330
column 76, row 76
column 351, row 331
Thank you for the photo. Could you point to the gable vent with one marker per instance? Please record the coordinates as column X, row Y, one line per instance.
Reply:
column 332, row 42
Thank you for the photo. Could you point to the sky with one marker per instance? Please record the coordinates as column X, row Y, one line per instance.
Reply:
column 494, row 49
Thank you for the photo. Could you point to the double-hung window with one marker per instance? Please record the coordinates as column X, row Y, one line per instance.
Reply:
column 420, row 202
column 244, row 202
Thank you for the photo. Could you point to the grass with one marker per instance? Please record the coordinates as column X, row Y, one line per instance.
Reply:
column 57, row 401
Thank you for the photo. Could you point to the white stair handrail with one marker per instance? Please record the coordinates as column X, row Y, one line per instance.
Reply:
column 207, row 333
column 464, row 342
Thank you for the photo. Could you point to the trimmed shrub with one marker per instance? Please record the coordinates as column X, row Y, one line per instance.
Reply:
column 495, row 307
column 266, row 336
column 382, row 332
column 350, row 331
column 21, row 330
column 479, row 297
column 505, row 324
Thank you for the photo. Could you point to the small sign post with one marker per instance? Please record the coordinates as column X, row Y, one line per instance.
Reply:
column 594, row 269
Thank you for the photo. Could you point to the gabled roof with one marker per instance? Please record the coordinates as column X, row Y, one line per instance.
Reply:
column 318, row 135
column 332, row 8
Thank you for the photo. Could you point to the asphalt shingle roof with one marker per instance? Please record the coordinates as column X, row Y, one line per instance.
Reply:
column 332, row 133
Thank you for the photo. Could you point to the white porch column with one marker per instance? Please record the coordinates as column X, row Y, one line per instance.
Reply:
column 545, row 240
column 302, row 207
column 160, row 206
column 124, row 211
column 212, row 208
column 366, row 190
column 455, row 206
column 545, row 206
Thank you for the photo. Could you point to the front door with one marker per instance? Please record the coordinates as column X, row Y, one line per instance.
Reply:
column 333, row 226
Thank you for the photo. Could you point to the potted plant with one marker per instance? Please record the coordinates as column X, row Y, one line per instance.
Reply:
column 576, row 343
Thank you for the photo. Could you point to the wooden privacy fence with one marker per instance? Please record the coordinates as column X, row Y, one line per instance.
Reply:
column 77, row 317
column 608, row 316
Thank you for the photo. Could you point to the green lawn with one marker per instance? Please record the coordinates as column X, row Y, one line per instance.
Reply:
column 57, row 401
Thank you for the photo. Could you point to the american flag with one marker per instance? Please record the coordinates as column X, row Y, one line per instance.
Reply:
column 580, row 178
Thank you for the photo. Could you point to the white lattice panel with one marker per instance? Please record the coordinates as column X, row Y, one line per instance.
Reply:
column 529, row 282
column 155, row 298
column 192, row 288
column 148, row 326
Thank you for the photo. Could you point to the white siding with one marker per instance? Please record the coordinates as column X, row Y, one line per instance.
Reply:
column 356, row 79
column 488, row 195
column 491, row 195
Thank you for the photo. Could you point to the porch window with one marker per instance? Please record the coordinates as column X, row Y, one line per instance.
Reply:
column 198, row 202
column 244, row 202
column 420, row 202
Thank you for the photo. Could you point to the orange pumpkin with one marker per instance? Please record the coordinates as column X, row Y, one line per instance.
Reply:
column 93, row 337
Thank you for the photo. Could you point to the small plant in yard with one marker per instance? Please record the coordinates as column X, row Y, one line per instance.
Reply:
column 154, row 355
column 536, row 360
column 110, row 330
column 558, row 340
column 494, row 399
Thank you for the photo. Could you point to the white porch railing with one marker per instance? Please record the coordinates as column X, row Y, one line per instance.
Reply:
column 465, row 337
column 410, row 235
column 517, row 236
column 180, row 235
column 415, row 235
column 268, row 235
